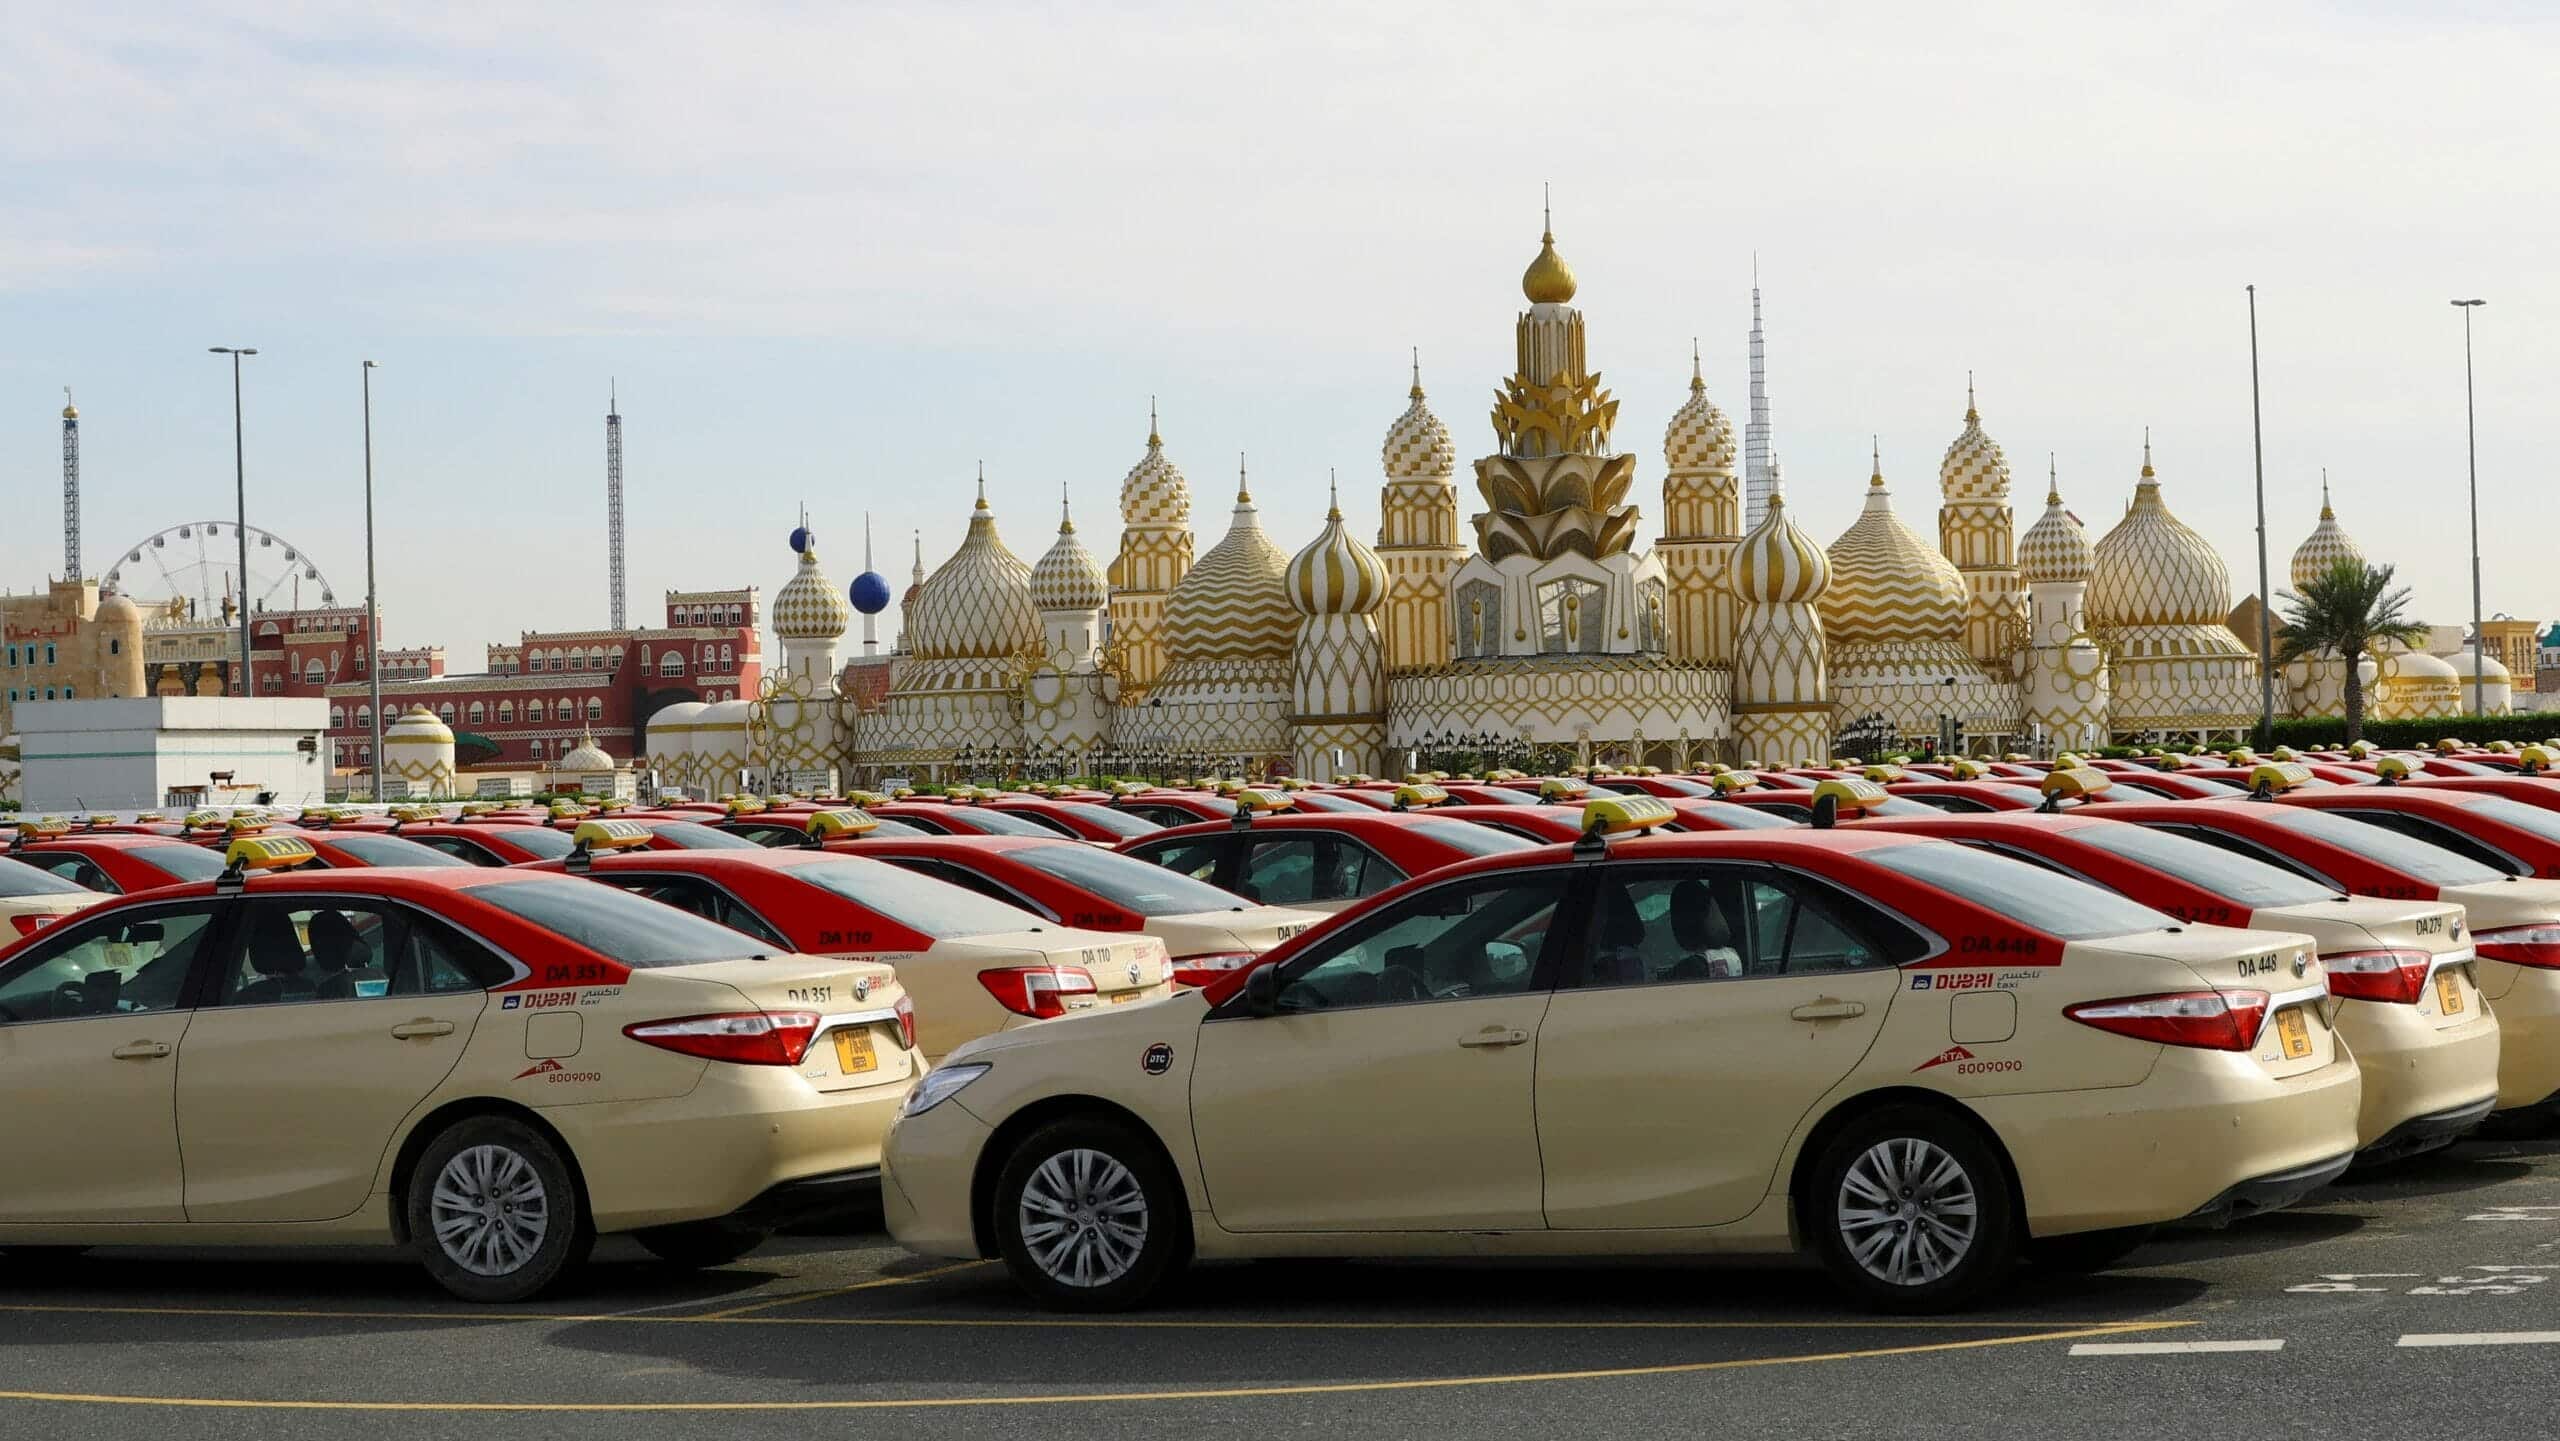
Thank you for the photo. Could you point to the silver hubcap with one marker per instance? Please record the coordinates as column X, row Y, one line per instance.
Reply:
column 1084, row 1218
column 490, row 1211
column 1907, row 1212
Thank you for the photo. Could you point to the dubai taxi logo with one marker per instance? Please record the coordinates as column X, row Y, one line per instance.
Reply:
column 1945, row 1057
column 1966, row 1064
column 1970, row 980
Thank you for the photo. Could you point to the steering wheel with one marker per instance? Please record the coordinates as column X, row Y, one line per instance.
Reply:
column 70, row 999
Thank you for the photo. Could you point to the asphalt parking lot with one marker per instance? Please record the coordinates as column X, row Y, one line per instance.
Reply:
column 2415, row 1304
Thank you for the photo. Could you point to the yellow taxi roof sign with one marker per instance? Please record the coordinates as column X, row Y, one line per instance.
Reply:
column 2538, row 757
column 1886, row 774
column 873, row 798
column 609, row 835
column 563, row 810
column 744, row 805
column 1617, row 815
column 2501, row 747
column 2284, row 753
column 46, row 826
column 843, row 821
column 1965, row 768
column 201, row 820
column 148, row 817
column 2360, row 748
column 268, row 853
column 1557, row 790
column 2398, row 768
column 2172, row 761
column 2277, row 777
column 1256, row 798
column 1727, row 782
column 1418, row 795
column 2448, row 746
column 2074, row 783
column 1852, row 795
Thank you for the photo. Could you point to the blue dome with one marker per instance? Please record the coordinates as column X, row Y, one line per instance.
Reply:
column 799, row 539
column 870, row 593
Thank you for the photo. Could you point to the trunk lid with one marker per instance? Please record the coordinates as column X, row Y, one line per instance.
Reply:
column 2451, row 994
column 2295, row 1034
column 1126, row 966
column 859, row 1040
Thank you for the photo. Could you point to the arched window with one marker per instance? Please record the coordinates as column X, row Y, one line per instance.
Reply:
column 270, row 628
column 115, row 645
column 537, row 749
column 616, row 665
column 672, row 665
column 364, row 717
column 577, row 660
column 445, row 712
column 506, row 712
column 312, row 674
column 725, row 661
column 644, row 656
column 533, row 712
column 48, row 652
column 479, row 713
column 595, row 709
column 337, row 717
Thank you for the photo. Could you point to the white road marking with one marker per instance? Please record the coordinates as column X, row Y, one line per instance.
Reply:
column 2171, row 1348
column 2481, row 1338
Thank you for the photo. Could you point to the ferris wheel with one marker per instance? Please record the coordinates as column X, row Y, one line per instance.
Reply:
column 199, row 563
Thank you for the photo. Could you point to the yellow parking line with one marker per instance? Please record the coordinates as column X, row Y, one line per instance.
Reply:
column 873, row 1285
column 1331, row 1388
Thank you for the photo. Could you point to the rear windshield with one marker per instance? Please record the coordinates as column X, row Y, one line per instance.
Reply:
column 1322, row 801
column 540, row 842
column 393, row 851
column 2432, row 864
column 1132, row 885
column 1744, row 818
column 616, row 924
column 686, row 836
column 2531, row 819
column 920, row 903
column 1119, row 823
column 1681, row 786
column 2056, row 905
column 1467, row 838
column 2235, row 878
column 18, row 879
column 180, row 861
column 1499, row 796
column 995, row 823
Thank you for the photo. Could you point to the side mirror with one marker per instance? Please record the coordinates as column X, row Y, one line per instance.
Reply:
column 1262, row 990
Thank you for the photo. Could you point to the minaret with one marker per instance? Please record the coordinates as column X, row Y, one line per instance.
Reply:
column 870, row 618
column 1781, row 680
column 1757, row 464
column 70, row 488
column 911, row 604
column 1155, row 553
column 1700, row 505
column 1070, row 592
column 1978, row 532
column 613, row 500
column 2062, row 675
column 1338, row 717
column 1418, row 534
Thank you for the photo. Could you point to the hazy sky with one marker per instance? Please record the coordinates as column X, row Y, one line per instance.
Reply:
column 838, row 254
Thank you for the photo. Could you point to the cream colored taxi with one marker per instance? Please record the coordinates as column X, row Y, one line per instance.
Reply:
column 489, row 1067
column 32, row 898
column 1918, row 1061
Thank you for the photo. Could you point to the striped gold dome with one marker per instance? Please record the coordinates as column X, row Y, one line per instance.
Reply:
column 2055, row 550
column 1068, row 577
column 1229, row 606
column 1777, row 563
column 1974, row 468
column 2327, row 545
column 2152, row 570
column 809, row 607
column 1336, row 574
column 1417, row 445
column 1886, row 582
column 976, row 605
column 1154, row 492
column 1700, row 436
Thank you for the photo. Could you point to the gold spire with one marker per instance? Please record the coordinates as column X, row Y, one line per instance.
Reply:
column 2052, row 481
column 69, row 411
column 1332, row 494
column 1154, row 441
column 1548, row 280
column 1875, row 476
column 1066, row 513
column 2325, row 512
column 982, row 485
column 1697, row 370
column 1416, row 392
column 1244, row 496
column 1971, row 415
column 2146, row 453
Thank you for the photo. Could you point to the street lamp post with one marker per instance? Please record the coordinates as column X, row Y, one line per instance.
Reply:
column 2471, row 432
column 372, row 605
column 2266, row 596
column 240, row 483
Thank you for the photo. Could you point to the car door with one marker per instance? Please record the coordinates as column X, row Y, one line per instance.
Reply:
column 1311, row 870
column 699, row 897
column 91, row 1019
column 1392, row 1089
column 1713, row 1004
column 1203, row 858
column 71, row 866
column 329, row 1019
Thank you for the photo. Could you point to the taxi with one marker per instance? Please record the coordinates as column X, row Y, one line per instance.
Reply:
column 971, row 965
column 2503, row 834
column 1280, row 857
column 1168, row 806
column 801, row 828
column 1919, row 1062
column 32, row 898
column 115, row 864
column 486, row 844
column 1207, row 931
column 2410, row 1007
column 489, row 1068
column 943, row 818
column 1968, row 797
column 1079, row 820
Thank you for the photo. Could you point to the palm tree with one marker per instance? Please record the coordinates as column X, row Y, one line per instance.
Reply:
column 2348, row 611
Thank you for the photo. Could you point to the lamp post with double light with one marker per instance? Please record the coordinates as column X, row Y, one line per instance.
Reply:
column 240, row 484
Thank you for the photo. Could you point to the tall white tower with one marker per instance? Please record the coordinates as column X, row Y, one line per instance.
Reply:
column 70, row 487
column 1755, row 431
column 613, row 502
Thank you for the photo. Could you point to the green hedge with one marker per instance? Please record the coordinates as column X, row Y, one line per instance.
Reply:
column 2329, row 732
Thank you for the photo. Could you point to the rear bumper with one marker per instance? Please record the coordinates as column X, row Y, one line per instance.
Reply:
column 811, row 1198
column 2526, row 1001
column 2271, row 1192
column 2415, row 1070
column 2420, row 1134
column 748, row 1137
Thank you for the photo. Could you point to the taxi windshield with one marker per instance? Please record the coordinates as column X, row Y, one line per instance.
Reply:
column 2532, row 820
column 2030, row 895
column 1743, row 818
column 2235, row 878
column 1468, row 838
column 20, row 879
column 2432, row 864
column 686, row 836
column 392, row 851
column 616, row 924
column 180, row 861
column 920, row 903
column 994, row 823
column 540, row 842
column 1119, row 823
column 1131, row 884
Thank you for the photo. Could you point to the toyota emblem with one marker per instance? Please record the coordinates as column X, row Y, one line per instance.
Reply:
column 2301, row 963
column 1133, row 973
column 861, row 988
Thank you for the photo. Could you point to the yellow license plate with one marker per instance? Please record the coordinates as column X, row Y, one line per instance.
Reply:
column 1122, row 998
column 853, row 1052
column 2295, row 1033
column 2449, row 992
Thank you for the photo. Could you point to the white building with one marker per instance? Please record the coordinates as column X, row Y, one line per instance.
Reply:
column 169, row 751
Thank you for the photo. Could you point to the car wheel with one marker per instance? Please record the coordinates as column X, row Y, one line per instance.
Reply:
column 2087, row 1250
column 1089, row 1217
column 1910, row 1211
column 699, row 1245
column 494, row 1212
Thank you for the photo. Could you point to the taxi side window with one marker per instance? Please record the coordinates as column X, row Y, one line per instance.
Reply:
column 926, row 824
column 1654, row 925
column 115, row 966
column 1197, row 859
column 703, row 899
column 2437, row 833
column 970, row 880
column 2241, row 846
column 1460, row 941
column 439, row 960
column 78, row 870
column 1799, row 927
column 459, row 849
column 322, row 949
column 1296, row 869
column 772, row 837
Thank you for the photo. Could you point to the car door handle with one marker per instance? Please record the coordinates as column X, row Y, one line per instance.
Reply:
column 1829, row 1009
column 141, row 1051
column 414, row 1030
column 1494, row 1036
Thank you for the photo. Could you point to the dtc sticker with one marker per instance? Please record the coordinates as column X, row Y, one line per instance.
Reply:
column 1157, row 1060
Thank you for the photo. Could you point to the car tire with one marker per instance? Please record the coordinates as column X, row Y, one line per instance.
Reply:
column 1089, row 1217
column 514, row 1221
column 1909, row 1209
column 700, row 1245
column 2087, row 1251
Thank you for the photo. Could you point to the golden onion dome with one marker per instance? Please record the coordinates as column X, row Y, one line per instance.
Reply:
column 1068, row 577
column 2055, row 550
column 976, row 605
column 1336, row 574
column 1886, row 582
column 1418, row 446
column 1548, row 280
column 809, row 607
column 1700, row 436
column 1974, row 468
column 1229, row 605
column 2152, row 570
column 2327, row 544
column 1777, row 563
column 1154, row 492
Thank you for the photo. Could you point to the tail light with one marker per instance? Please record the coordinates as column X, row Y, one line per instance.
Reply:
column 749, row 1038
column 29, row 925
column 906, row 1023
column 2537, row 946
column 1198, row 971
column 2399, row 977
column 2208, row 1020
column 1037, row 991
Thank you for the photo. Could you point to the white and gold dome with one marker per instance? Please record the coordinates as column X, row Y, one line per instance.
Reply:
column 1229, row 606
column 586, row 758
column 1777, row 563
column 1154, row 492
column 1336, row 574
column 2153, row 570
column 1700, row 436
column 2327, row 545
column 977, row 605
column 1974, row 467
column 809, row 607
column 1068, row 577
column 1418, row 445
column 2055, row 550
column 1888, row 583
